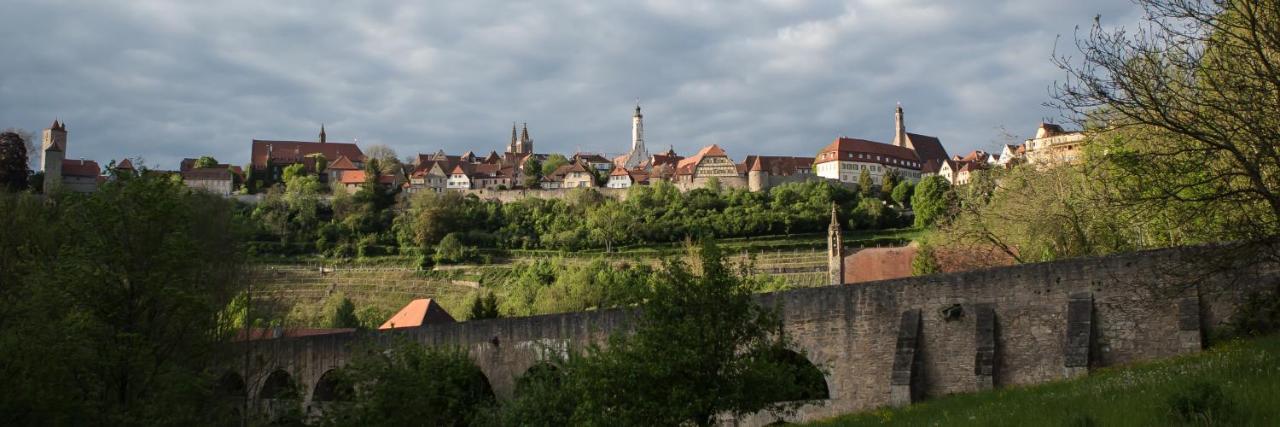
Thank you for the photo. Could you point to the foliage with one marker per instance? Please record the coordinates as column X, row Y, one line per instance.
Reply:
column 902, row 193
column 409, row 384
column 1258, row 315
column 451, row 250
column 484, row 307
column 110, row 302
column 887, row 183
column 532, row 169
column 322, row 162
column 702, row 347
column 1186, row 111
column 865, row 186
column 555, row 286
column 924, row 263
column 344, row 315
column 931, row 200
column 14, row 167
column 205, row 162
column 1200, row 403
column 553, row 162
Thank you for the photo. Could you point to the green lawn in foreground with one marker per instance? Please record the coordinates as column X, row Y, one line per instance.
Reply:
column 1246, row 375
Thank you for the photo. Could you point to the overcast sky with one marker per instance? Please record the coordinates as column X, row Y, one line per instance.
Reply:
column 163, row 80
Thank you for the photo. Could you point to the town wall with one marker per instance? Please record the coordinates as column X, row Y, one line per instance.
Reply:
column 892, row 341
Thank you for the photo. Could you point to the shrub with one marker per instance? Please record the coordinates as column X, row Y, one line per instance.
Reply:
column 1259, row 315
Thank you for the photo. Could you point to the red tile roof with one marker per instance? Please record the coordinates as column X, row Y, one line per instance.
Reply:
column 417, row 313
column 213, row 173
column 926, row 147
column 125, row 165
column 295, row 151
column 844, row 145
column 342, row 163
column 778, row 165
column 84, row 168
column 358, row 177
column 686, row 165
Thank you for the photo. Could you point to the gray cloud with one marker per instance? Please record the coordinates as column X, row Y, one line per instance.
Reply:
column 167, row 80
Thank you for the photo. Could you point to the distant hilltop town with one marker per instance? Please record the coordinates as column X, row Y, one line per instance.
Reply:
column 343, row 165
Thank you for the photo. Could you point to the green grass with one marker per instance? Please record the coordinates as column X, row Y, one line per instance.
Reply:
column 1241, row 379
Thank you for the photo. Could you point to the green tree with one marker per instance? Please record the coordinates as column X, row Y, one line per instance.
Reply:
column 484, row 307
column 293, row 171
column 452, row 250
column 553, row 162
column 887, row 183
column 902, row 193
column 865, row 186
column 14, row 168
column 931, row 200
column 1186, row 111
column 322, row 162
column 702, row 347
column 122, row 328
column 205, row 162
column 532, row 173
column 409, row 384
column 344, row 315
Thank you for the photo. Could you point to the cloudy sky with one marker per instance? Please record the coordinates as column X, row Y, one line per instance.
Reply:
column 163, row 80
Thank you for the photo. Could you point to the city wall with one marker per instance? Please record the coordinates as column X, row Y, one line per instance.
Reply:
column 896, row 341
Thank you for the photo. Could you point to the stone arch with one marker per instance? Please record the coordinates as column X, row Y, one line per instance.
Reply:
column 230, row 384
column 537, row 373
column 330, row 388
column 278, row 385
column 812, row 381
column 481, row 386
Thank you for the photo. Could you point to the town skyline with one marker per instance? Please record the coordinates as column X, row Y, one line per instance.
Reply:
column 787, row 78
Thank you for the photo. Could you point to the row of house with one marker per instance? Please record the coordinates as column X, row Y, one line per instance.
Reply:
column 1052, row 145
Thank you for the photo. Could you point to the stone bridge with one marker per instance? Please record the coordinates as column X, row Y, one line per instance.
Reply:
column 882, row 343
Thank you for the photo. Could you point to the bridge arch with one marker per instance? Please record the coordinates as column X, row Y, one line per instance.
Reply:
column 811, row 380
column 540, row 374
column 278, row 385
column 231, row 385
column 331, row 388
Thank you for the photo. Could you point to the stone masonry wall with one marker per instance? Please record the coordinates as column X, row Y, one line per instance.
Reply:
column 1139, row 311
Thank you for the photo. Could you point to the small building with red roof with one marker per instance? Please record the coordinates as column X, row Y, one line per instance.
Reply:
column 418, row 313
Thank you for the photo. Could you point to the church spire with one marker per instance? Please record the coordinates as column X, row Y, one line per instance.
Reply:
column 899, row 128
column 322, row 135
column 835, row 248
column 511, row 148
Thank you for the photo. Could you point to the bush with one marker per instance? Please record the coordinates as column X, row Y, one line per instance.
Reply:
column 451, row 250
column 1200, row 403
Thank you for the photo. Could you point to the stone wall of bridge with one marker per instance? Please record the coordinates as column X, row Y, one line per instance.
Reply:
column 894, row 341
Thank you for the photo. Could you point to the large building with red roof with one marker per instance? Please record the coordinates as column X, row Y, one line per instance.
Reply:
column 845, row 159
column 270, row 157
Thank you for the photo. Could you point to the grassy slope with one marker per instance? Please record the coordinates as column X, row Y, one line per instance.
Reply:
column 1247, row 373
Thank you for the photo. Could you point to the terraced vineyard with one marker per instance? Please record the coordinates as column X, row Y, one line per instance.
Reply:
column 302, row 290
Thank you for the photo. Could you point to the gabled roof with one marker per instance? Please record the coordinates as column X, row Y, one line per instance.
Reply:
column 358, row 177
column 125, row 165
column 862, row 146
column 778, row 165
column 341, row 164
column 296, row 151
column 207, row 174
column 926, row 147
column 686, row 165
column 82, row 168
column 590, row 158
column 417, row 313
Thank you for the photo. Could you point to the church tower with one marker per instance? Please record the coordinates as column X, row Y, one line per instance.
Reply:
column 322, row 135
column 525, row 144
column 835, row 249
column 638, row 153
column 899, row 129
column 53, row 148
column 511, row 147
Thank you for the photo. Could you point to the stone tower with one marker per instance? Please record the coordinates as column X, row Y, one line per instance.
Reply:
column 322, row 135
column 757, row 175
column 638, row 153
column 53, row 148
column 899, row 129
column 835, row 249
column 525, row 144
column 511, row 147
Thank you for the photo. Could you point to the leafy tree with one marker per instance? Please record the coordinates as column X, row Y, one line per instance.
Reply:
column 205, row 162
column 122, row 328
column 484, row 307
column 409, row 384
column 902, row 193
column 702, row 347
column 887, row 183
column 931, row 200
column 1186, row 109
column 532, row 172
column 14, row 167
column 293, row 171
column 865, row 186
column 322, row 162
column 553, row 162
column 451, row 250
column 344, row 315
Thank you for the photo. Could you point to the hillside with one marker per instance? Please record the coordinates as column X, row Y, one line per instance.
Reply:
column 1235, row 383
